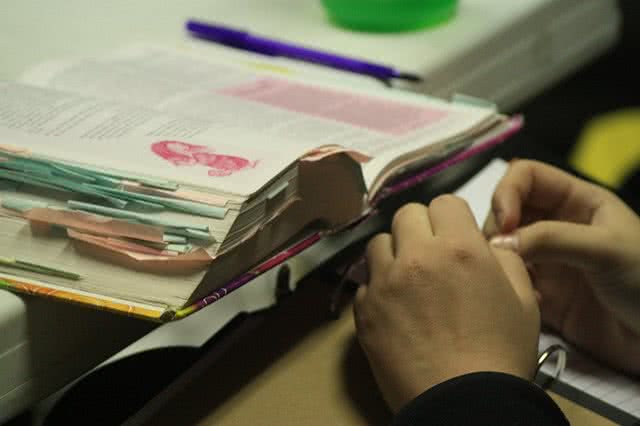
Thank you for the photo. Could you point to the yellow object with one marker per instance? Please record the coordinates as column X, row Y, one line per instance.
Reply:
column 609, row 147
column 270, row 67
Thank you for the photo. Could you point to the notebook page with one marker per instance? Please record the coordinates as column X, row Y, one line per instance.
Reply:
column 594, row 379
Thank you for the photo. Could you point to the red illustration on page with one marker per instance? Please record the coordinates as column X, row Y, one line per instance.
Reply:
column 186, row 154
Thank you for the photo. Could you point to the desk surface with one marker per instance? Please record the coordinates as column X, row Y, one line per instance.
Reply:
column 316, row 374
column 503, row 51
column 80, row 27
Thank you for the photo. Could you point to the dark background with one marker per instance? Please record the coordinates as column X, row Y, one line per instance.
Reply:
column 555, row 119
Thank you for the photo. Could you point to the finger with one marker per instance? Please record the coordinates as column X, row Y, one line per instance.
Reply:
column 358, row 306
column 490, row 227
column 593, row 327
column 451, row 217
column 556, row 296
column 537, row 185
column 410, row 228
column 574, row 310
column 358, row 272
column 516, row 272
column 559, row 242
column 379, row 255
column 358, row 300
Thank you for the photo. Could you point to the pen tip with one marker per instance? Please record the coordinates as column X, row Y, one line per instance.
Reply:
column 410, row 77
column 386, row 82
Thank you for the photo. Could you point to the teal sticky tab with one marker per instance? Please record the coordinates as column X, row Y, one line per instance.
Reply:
column 180, row 248
column 143, row 218
column 95, row 177
column 61, row 176
column 190, row 207
column 169, row 186
column 106, row 211
column 124, row 199
column 145, row 205
column 197, row 208
column 156, row 183
column 25, row 166
column 66, row 172
column 22, row 178
column 20, row 204
column 174, row 239
column 47, row 270
column 121, row 204
column 41, row 269
column 194, row 233
column 200, row 235
column 107, row 182
column 86, row 173
column 27, row 162
column 60, row 184
column 172, row 224
column 86, row 189
column 124, row 195
column 47, row 168
column 8, row 185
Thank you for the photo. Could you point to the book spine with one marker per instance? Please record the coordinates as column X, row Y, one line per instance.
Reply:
column 93, row 301
column 243, row 279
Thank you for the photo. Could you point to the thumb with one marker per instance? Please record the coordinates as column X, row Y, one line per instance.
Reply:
column 559, row 242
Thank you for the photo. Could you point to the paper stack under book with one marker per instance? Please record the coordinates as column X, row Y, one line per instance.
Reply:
column 144, row 181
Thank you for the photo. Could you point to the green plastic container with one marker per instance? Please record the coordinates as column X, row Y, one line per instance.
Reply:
column 389, row 15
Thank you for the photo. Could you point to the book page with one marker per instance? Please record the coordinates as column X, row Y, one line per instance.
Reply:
column 139, row 140
column 378, row 123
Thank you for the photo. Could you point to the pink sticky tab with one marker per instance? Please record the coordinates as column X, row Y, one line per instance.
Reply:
column 385, row 116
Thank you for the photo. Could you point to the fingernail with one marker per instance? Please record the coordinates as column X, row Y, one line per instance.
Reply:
column 506, row 242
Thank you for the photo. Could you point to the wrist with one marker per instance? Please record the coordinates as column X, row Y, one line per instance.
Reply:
column 462, row 399
column 463, row 367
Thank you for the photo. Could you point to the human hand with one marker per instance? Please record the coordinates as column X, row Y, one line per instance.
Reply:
column 582, row 244
column 441, row 303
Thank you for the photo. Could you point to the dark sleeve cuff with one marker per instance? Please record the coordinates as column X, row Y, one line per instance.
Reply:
column 486, row 398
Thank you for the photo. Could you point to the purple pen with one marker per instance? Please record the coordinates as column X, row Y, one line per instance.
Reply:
column 245, row 41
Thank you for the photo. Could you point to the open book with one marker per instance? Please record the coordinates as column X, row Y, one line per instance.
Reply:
column 145, row 180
